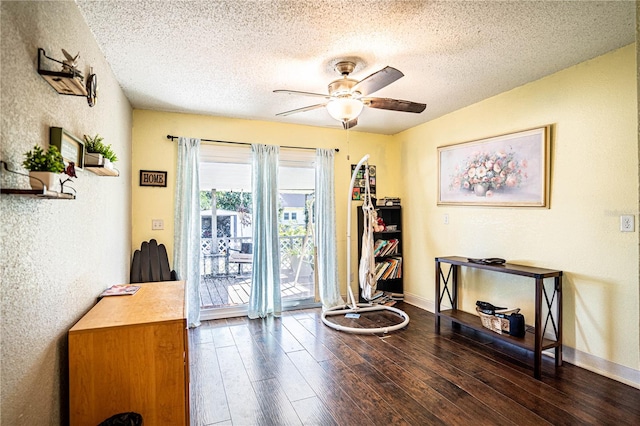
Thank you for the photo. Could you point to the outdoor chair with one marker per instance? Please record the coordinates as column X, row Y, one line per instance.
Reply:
column 243, row 256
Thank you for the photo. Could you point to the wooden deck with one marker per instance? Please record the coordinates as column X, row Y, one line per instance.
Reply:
column 230, row 290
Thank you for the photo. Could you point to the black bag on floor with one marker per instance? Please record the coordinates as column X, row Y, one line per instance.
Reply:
column 123, row 419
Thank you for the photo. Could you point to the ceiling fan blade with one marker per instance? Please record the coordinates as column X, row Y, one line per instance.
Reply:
column 307, row 108
column 349, row 124
column 394, row 104
column 295, row 92
column 377, row 81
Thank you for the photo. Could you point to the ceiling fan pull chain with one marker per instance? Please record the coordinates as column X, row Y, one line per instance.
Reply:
column 348, row 145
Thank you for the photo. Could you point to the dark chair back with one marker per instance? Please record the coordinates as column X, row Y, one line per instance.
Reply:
column 151, row 263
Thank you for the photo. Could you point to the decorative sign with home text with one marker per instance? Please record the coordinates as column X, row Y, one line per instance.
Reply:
column 153, row 178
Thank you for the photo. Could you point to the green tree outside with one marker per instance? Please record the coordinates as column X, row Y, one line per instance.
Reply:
column 227, row 200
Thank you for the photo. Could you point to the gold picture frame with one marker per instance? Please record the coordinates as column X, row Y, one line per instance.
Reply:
column 510, row 170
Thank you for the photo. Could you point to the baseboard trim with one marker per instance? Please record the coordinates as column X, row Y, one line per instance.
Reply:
column 606, row 368
column 420, row 302
column 600, row 366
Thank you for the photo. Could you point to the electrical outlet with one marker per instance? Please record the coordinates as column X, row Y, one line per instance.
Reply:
column 627, row 223
column 157, row 224
column 445, row 218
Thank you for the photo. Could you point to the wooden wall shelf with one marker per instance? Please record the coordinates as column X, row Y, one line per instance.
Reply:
column 102, row 171
column 39, row 193
column 63, row 82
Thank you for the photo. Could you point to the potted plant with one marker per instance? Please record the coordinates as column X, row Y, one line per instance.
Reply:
column 97, row 153
column 43, row 166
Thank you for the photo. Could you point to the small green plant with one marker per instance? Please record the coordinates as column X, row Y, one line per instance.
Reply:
column 95, row 145
column 38, row 160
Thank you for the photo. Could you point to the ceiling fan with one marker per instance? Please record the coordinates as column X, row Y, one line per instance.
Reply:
column 347, row 96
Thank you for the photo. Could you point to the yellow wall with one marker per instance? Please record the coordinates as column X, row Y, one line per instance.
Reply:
column 152, row 151
column 594, row 179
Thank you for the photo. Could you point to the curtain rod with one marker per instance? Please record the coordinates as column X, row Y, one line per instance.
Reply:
column 246, row 143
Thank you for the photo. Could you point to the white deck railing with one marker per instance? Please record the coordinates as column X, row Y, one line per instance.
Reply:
column 216, row 262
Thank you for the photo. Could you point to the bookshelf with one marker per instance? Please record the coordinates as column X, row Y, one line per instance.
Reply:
column 387, row 250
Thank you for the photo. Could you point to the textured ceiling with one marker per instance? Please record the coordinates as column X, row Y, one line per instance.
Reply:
column 225, row 58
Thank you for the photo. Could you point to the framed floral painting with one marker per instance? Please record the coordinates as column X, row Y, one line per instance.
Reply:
column 510, row 170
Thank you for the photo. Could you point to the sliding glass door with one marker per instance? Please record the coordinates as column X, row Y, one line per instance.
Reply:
column 296, row 181
column 227, row 225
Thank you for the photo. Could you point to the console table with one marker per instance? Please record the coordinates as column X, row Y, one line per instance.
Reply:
column 130, row 353
column 544, row 301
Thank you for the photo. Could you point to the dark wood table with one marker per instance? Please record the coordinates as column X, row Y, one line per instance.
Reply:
column 544, row 305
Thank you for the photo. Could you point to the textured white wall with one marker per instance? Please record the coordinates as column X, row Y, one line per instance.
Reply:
column 56, row 255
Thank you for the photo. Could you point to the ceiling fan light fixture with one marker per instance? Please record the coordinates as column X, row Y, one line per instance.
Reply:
column 344, row 109
column 347, row 96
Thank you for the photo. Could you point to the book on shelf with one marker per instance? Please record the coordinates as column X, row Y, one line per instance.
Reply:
column 120, row 290
column 377, row 295
column 386, row 298
column 380, row 269
column 390, row 268
column 378, row 245
column 385, row 247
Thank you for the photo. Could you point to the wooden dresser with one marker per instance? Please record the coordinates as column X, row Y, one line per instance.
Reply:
column 130, row 353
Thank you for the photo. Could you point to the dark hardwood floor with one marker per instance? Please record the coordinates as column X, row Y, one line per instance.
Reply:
column 295, row 370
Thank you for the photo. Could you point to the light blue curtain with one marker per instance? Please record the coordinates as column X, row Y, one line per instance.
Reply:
column 186, row 247
column 327, row 254
column 265, row 288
